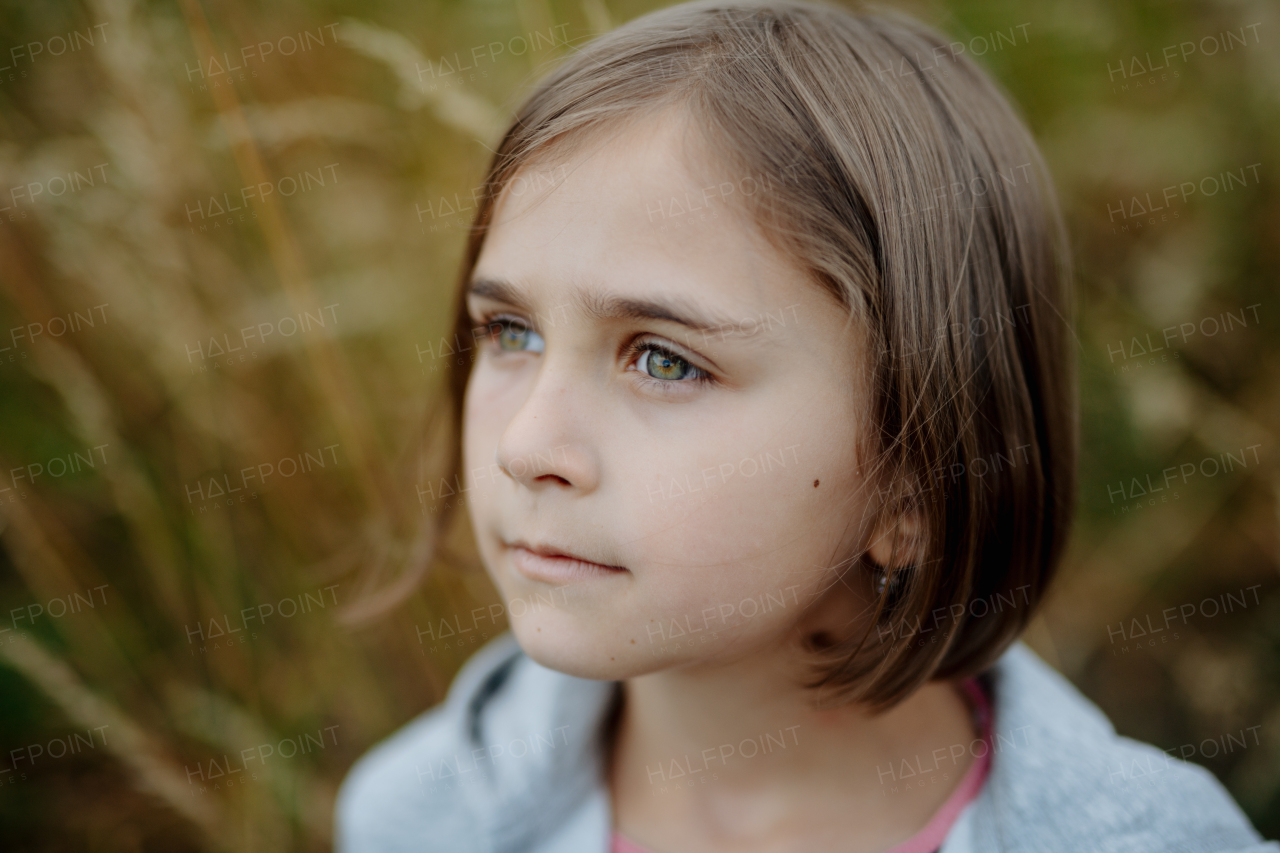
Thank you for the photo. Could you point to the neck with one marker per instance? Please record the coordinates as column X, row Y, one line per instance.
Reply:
column 743, row 738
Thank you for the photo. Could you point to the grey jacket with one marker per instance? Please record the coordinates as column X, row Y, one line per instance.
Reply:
column 512, row 762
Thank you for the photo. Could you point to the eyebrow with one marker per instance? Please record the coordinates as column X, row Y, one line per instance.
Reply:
column 609, row 307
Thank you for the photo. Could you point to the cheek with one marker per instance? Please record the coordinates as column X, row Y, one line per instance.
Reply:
column 484, row 417
column 489, row 405
column 716, row 527
column 476, row 422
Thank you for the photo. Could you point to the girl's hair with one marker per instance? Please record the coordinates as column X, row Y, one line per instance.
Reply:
column 897, row 174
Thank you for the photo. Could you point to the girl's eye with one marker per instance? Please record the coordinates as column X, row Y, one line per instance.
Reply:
column 514, row 336
column 665, row 365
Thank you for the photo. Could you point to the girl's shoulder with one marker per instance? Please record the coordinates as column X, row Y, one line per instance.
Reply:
column 406, row 790
column 1062, row 779
column 509, row 756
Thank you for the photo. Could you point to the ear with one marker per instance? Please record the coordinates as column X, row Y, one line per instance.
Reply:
column 898, row 540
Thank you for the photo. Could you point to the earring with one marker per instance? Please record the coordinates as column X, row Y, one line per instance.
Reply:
column 883, row 581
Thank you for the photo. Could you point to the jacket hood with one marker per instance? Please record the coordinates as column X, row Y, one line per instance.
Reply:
column 513, row 760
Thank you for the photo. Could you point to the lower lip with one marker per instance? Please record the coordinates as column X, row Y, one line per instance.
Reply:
column 558, row 570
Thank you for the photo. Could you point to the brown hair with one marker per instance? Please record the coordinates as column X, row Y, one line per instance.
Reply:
column 902, row 179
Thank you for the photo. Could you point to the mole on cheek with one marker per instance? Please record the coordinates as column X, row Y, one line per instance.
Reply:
column 815, row 484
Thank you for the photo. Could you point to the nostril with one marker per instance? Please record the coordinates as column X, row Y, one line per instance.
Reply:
column 561, row 480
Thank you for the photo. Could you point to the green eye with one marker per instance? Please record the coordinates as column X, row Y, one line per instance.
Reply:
column 664, row 365
column 517, row 337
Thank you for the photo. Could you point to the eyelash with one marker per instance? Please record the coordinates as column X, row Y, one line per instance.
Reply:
column 494, row 324
column 641, row 345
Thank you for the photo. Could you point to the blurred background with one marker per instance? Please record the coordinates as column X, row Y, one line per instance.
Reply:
column 229, row 235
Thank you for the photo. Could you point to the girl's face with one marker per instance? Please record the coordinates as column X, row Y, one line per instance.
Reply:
column 659, row 438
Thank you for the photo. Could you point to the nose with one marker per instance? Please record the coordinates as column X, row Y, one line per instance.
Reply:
column 546, row 444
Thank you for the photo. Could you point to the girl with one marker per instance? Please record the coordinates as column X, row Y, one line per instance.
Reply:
column 768, row 445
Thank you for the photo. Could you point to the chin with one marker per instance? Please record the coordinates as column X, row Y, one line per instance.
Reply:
column 583, row 653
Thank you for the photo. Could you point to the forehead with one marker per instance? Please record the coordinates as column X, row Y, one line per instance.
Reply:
column 633, row 213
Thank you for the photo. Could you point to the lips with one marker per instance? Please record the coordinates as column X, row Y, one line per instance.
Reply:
column 551, row 565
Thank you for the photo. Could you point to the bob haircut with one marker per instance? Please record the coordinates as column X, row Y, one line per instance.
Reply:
column 901, row 179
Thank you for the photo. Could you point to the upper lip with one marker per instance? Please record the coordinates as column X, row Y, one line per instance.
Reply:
column 553, row 551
